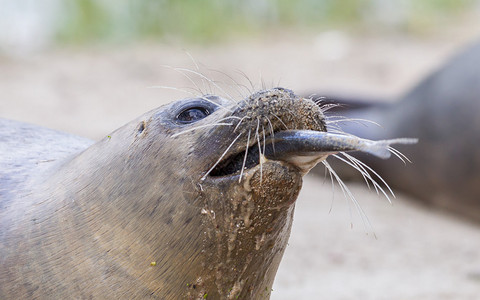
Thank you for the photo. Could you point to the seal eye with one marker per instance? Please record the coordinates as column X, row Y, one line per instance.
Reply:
column 192, row 114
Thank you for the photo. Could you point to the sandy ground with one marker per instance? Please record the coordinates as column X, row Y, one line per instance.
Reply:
column 417, row 253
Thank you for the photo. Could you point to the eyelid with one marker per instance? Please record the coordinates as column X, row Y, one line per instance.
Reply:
column 199, row 103
column 194, row 110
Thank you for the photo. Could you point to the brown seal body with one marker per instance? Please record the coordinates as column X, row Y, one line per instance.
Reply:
column 442, row 111
column 143, row 213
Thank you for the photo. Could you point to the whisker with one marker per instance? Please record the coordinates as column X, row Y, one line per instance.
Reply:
column 342, row 187
column 208, row 100
column 182, row 72
column 264, row 140
column 311, row 96
column 196, row 67
column 201, row 126
column 236, row 84
column 250, row 91
column 262, row 82
column 286, row 127
column 353, row 120
column 240, row 122
column 366, row 176
column 245, row 156
column 257, row 135
column 212, row 82
column 183, row 90
column 221, row 157
column 346, row 190
column 230, row 117
column 193, row 94
column 271, row 133
column 294, row 117
column 377, row 175
column 399, row 154
column 333, row 186
column 355, row 163
column 360, row 169
column 326, row 107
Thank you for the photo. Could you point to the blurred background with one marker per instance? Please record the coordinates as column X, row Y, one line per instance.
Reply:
column 81, row 54
column 87, row 67
column 28, row 25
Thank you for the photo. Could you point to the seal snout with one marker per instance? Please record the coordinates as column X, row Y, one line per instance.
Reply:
column 278, row 126
column 259, row 118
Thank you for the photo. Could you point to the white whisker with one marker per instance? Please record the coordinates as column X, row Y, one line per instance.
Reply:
column 196, row 67
column 192, row 94
column 342, row 187
column 360, row 169
column 333, row 186
column 221, row 157
column 250, row 91
column 272, row 133
column 286, row 127
column 183, row 90
column 327, row 106
column 182, row 72
column 230, row 117
column 213, row 102
column 245, row 156
column 264, row 140
column 257, row 136
column 347, row 191
column 353, row 120
column 240, row 122
column 235, row 84
column 262, row 82
column 212, row 82
column 377, row 175
column 201, row 126
column 399, row 154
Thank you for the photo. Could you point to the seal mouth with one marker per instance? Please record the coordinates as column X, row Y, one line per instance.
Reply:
column 233, row 164
column 303, row 149
column 285, row 146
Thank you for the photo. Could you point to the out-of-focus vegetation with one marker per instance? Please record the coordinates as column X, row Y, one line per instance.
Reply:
column 217, row 20
column 29, row 25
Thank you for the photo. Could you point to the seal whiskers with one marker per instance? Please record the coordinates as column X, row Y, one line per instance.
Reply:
column 202, row 126
column 259, row 144
column 203, row 77
column 209, row 125
column 362, row 168
column 245, row 155
column 222, row 156
column 349, row 196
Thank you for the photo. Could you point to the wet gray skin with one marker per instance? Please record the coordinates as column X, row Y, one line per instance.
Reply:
column 193, row 200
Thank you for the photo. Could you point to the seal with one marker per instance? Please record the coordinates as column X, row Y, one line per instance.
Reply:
column 442, row 111
column 193, row 200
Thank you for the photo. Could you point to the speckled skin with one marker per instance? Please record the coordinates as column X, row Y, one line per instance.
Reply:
column 442, row 111
column 86, row 221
